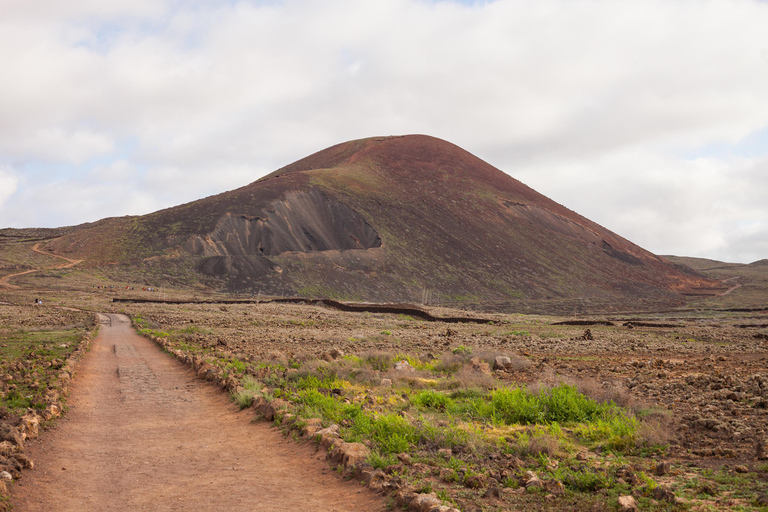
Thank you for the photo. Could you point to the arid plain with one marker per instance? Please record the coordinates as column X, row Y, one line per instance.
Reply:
column 482, row 411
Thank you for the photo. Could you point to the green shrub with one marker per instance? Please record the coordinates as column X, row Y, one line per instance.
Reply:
column 390, row 433
column 432, row 400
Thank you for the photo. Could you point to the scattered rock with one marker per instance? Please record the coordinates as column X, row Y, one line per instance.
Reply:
column 404, row 366
column 51, row 412
column 349, row 454
column 11, row 434
column 627, row 504
column 662, row 494
column 760, row 451
column 29, row 425
column 741, row 469
column 663, row 468
column 7, row 448
column 502, row 363
column 386, row 383
column 480, row 366
column 24, row 460
column 475, row 481
column 425, row 503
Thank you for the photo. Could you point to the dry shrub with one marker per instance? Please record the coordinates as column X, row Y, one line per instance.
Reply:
column 377, row 360
column 544, row 444
column 277, row 357
column 415, row 380
column 657, row 428
column 467, row 378
column 451, row 363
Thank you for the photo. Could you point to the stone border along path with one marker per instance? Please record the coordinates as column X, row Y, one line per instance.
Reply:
column 143, row 433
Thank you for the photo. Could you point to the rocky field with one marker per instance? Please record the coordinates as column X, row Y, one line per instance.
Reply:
column 661, row 411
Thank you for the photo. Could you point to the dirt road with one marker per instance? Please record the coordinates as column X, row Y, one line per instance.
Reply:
column 143, row 433
column 5, row 281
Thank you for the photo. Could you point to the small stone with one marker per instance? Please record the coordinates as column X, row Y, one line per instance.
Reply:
column 663, row 468
column 501, row 363
column 24, row 460
column 404, row 366
column 741, row 469
column 11, row 434
column 404, row 458
column 662, row 494
column 480, row 366
column 5, row 475
column 7, row 448
column 760, row 451
column 386, row 383
column 349, row 454
column 475, row 481
column 425, row 503
column 582, row 456
column 627, row 504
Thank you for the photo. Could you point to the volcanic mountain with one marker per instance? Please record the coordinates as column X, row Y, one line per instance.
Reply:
column 386, row 219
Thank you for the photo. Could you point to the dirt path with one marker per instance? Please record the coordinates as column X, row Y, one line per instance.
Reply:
column 5, row 281
column 734, row 287
column 143, row 433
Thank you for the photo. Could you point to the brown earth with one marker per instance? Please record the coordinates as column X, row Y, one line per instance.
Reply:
column 143, row 434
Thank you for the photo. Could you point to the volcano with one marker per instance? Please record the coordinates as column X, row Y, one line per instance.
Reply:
column 403, row 219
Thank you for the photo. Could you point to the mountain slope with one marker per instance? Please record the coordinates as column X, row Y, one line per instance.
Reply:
column 389, row 218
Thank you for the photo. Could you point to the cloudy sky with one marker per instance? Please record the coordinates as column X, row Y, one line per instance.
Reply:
column 648, row 116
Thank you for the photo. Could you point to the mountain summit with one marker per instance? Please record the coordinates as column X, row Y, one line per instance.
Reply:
column 386, row 219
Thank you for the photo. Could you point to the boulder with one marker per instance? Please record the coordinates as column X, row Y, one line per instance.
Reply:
column 502, row 363
column 7, row 448
column 11, row 434
column 349, row 454
column 29, row 424
column 24, row 460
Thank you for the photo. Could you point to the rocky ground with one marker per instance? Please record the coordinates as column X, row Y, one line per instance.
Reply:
column 702, row 378
column 40, row 348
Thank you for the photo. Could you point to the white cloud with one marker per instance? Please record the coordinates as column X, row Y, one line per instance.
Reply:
column 9, row 182
column 208, row 93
